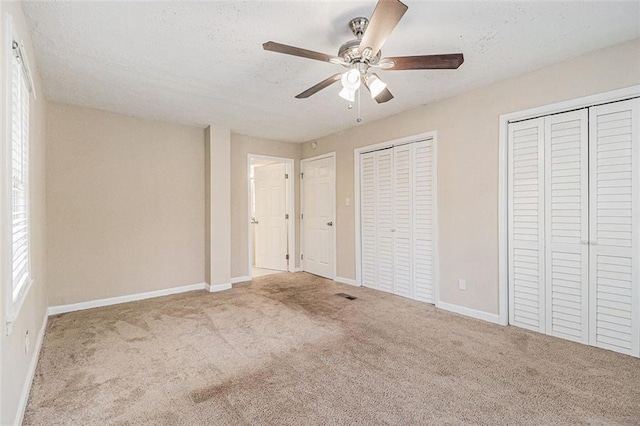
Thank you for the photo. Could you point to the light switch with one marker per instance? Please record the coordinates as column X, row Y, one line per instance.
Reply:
column 462, row 284
column 347, row 201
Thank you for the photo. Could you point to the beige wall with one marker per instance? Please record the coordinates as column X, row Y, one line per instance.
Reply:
column 14, row 363
column 241, row 146
column 207, row 205
column 467, row 127
column 125, row 205
column 218, row 214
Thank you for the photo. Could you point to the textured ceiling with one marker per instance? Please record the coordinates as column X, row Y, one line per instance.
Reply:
column 202, row 63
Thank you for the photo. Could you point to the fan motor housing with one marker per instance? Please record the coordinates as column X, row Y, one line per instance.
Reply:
column 349, row 52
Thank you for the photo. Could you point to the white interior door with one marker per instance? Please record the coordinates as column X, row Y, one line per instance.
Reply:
column 403, row 261
column 368, row 219
column 318, row 206
column 385, row 262
column 567, row 225
column 614, row 172
column 424, row 222
column 526, row 225
column 271, row 227
column 397, row 220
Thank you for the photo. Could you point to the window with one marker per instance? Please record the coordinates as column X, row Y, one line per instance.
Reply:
column 16, row 243
column 20, row 261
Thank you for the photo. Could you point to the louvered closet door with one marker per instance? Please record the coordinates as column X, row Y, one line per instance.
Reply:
column 567, row 225
column 403, row 220
column 368, row 226
column 423, row 213
column 614, row 172
column 384, row 220
column 526, row 224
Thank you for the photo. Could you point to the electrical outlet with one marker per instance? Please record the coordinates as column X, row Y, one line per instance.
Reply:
column 27, row 343
column 462, row 284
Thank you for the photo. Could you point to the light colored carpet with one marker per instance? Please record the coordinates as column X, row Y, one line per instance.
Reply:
column 284, row 349
column 259, row 272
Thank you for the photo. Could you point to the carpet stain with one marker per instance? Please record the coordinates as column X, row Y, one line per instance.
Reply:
column 204, row 394
column 532, row 371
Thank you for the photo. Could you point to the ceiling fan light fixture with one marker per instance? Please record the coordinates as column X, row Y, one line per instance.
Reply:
column 348, row 94
column 351, row 79
column 376, row 86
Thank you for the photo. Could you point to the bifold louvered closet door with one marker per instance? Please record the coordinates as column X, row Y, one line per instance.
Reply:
column 574, row 230
column 614, row 276
column 396, row 220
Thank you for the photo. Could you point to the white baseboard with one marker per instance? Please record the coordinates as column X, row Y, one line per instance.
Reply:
column 55, row 310
column 473, row 313
column 217, row 287
column 31, row 372
column 237, row 280
column 298, row 269
column 346, row 281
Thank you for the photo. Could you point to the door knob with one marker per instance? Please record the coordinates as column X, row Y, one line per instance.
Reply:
column 329, row 223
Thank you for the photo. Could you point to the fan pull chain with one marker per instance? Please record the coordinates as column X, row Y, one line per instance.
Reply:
column 359, row 119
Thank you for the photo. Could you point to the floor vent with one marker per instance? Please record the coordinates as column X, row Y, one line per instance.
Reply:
column 346, row 296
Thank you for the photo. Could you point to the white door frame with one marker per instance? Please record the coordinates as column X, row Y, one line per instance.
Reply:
column 290, row 209
column 503, row 204
column 331, row 155
column 356, row 186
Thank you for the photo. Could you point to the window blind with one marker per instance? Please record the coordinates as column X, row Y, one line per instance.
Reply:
column 19, row 175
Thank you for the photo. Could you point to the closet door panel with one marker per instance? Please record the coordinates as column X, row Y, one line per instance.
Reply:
column 384, row 213
column 403, row 220
column 567, row 225
column 368, row 219
column 614, row 172
column 526, row 224
column 423, row 235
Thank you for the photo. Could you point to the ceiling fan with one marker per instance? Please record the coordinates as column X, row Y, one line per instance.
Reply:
column 363, row 54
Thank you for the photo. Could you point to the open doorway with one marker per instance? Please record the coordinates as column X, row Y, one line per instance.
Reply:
column 271, row 207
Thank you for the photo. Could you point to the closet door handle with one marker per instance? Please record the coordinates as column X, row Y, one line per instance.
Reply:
column 585, row 242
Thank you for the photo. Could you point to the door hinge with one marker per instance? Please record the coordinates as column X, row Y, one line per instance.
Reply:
column 301, row 215
column 286, row 175
column 301, row 175
column 302, row 257
column 286, row 216
column 287, row 257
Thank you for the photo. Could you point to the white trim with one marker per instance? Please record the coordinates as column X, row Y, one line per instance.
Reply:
column 213, row 288
column 243, row 279
column 298, row 269
column 290, row 208
column 331, row 155
column 473, row 313
column 55, row 310
column 503, row 242
column 348, row 281
column 31, row 372
column 436, row 221
column 433, row 135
